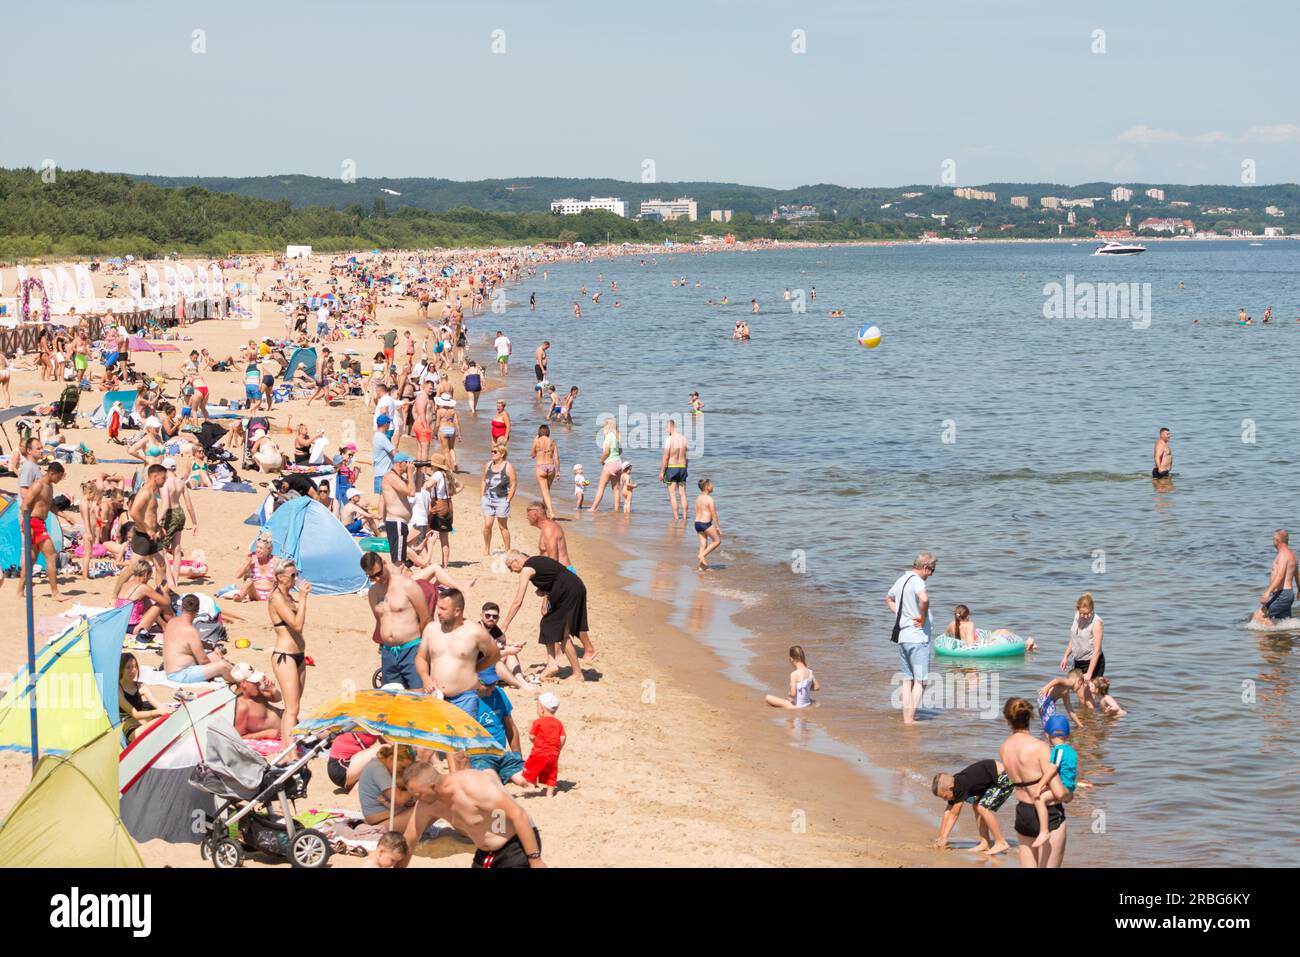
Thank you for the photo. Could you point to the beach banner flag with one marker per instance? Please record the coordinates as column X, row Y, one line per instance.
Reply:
column 151, row 279
column 187, row 280
column 133, row 283
column 171, row 283
column 85, row 287
column 22, row 274
column 67, row 288
column 218, row 290
column 201, row 277
column 51, row 287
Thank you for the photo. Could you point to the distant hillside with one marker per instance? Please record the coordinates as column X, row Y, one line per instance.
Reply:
column 831, row 201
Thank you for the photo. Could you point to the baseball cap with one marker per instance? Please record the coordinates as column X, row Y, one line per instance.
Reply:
column 169, row 463
column 153, row 422
column 354, row 493
column 1057, row 726
column 489, row 676
column 244, row 672
column 549, row 701
column 383, row 420
column 402, row 457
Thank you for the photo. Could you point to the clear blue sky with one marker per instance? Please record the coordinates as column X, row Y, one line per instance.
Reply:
column 708, row 89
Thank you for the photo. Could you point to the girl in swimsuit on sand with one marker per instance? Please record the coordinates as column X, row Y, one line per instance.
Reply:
column 802, row 683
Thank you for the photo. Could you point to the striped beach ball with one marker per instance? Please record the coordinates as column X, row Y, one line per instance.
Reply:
column 869, row 336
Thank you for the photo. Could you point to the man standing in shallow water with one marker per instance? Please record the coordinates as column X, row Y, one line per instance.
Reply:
column 1283, row 583
column 1164, row 457
column 672, row 469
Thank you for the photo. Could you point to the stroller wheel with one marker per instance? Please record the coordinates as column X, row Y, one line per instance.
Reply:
column 310, row 848
column 227, row 854
column 377, row 681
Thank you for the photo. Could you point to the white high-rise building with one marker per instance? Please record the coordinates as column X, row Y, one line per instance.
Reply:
column 1121, row 194
column 1157, row 194
column 670, row 209
column 572, row 207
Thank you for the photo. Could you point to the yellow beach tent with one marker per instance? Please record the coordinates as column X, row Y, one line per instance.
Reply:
column 68, row 816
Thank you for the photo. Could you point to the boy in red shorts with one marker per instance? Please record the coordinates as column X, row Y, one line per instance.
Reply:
column 547, row 736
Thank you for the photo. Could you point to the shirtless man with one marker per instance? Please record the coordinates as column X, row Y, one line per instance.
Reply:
column 672, row 470
column 255, row 715
column 550, row 536
column 1283, row 583
column 1164, row 457
column 539, row 361
column 397, row 491
column 184, row 659
column 174, row 503
column 144, row 515
column 422, row 411
column 39, row 501
column 476, row 805
column 453, row 652
column 401, row 613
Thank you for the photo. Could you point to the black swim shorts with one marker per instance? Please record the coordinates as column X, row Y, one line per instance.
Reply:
column 1027, row 818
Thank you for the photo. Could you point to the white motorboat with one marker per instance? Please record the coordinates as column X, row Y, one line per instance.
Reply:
column 1114, row 248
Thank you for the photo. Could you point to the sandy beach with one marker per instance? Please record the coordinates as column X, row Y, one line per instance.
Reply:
column 670, row 763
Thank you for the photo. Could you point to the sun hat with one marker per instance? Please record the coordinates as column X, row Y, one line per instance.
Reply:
column 153, row 422
column 447, row 402
column 354, row 493
column 245, row 672
column 548, row 701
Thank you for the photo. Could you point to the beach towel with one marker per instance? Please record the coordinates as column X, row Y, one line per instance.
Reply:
column 233, row 487
column 155, row 676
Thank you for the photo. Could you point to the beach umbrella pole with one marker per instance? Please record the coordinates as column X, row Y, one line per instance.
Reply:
column 28, row 563
column 392, row 798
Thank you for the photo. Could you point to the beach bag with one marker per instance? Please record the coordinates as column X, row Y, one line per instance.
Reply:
column 898, row 618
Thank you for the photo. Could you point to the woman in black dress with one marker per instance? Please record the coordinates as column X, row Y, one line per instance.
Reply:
column 564, row 612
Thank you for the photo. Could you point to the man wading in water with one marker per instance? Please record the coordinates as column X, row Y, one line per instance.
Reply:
column 1275, row 603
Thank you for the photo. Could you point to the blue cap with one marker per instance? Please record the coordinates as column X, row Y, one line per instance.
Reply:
column 402, row 457
column 1057, row 726
column 383, row 420
column 489, row 676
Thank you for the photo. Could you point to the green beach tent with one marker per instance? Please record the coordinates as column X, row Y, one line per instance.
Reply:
column 68, row 816
column 76, row 688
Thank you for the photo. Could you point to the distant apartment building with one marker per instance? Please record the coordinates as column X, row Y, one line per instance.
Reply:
column 1237, row 233
column 1070, row 218
column 1173, row 226
column 669, row 209
column 1050, row 202
column 572, row 207
column 794, row 211
column 980, row 194
column 1274, row 212
column 720, row 216
column 1157, row 194
column 1121, row 194
column 1274, row 231
column 1020, row 201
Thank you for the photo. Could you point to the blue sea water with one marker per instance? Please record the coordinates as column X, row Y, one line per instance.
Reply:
column 1014, row 446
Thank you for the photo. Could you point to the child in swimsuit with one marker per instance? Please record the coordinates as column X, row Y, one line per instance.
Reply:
column 802, row 683
column 1101, row 686
column 625, row 487
column 580, row 484
column 1061, row 780
column 1058, row 689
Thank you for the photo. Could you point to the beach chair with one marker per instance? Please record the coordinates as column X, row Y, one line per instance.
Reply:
column 65, row 408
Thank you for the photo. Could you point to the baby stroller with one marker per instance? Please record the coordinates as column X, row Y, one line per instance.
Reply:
column 245, row 820
column 65, row 409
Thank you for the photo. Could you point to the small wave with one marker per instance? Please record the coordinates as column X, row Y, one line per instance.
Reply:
column 746, row 598
column 1029, row 475
column 1281, row 625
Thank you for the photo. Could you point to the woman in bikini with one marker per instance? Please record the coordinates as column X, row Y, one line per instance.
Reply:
column 289, row 659
column 447, row 421
column 501, row 424
column 547, row 464
column 4, row 379
column 148, row 605
column 260, row 572
column 1027, row 760
column 150, row 447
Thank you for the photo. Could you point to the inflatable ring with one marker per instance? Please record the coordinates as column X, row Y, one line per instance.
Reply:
column 1003, row 645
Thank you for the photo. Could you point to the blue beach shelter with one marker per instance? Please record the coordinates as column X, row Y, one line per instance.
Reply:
column 11, row 536
column 301, row 357
column 326, row 555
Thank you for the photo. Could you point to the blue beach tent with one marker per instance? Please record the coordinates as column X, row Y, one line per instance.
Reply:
column 326, row 555
column 301, row 357
column 11, row 536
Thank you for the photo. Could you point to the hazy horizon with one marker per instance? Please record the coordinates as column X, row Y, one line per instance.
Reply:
column 770, row 93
